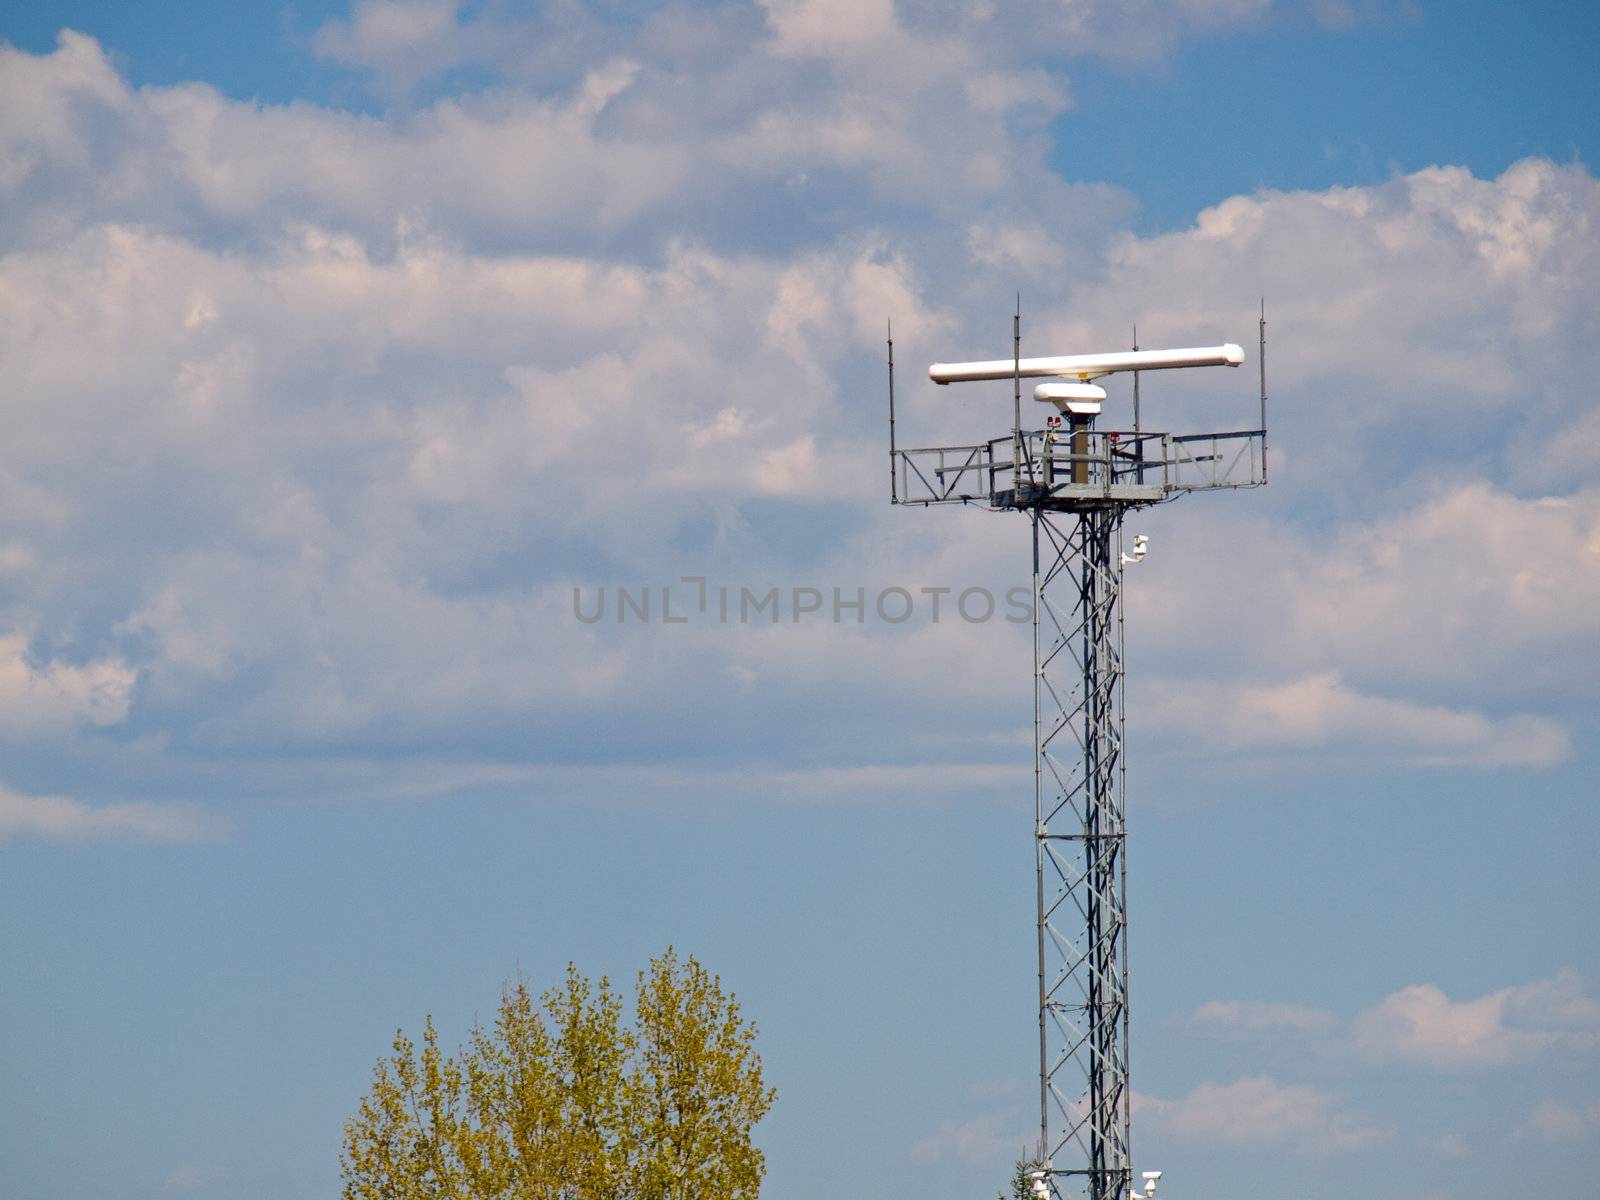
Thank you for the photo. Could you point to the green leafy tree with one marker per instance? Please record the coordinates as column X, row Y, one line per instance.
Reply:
column 561, row 1100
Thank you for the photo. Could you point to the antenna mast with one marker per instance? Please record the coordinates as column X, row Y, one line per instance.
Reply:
column 1261, row 361
column 1138, row 426
column 889, row 330
column 1016, row 382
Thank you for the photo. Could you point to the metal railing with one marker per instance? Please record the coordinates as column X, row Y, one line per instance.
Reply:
column 1065, row 468
column 1200, row 461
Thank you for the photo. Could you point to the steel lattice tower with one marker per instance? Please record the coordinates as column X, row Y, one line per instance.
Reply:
column 1079, row 831
column 1076, row 484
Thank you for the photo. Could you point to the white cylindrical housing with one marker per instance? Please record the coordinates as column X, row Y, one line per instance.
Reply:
column 1051, row 392
column 1081, row 399
column 1090, row 366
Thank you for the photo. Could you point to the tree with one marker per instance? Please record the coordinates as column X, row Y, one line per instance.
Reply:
column 560, row 1100
column 1021, row 1180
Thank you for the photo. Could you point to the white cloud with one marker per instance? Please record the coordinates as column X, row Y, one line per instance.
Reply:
column 57, row 695
column 1443, row 633
column 1344, row 15
column 406, row 40
column 1319, row 712
column 979, row 1141
column 1260, row 1113
column 1253, row 1017
column 1420, row 1024
column 646, row 137
column 1553, row 1121
column 1122, row 31
column 58, row 818
column 830, row 26
column 320, row 400
column 1475, row 582
column 1422, row 330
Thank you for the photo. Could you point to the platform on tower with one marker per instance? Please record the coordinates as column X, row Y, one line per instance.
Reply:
column 1070, row 470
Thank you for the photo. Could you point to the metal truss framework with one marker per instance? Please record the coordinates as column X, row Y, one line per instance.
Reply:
column 1081, row 867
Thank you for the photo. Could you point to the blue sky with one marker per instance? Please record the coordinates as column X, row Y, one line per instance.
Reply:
column 1287, row 106
column 339, row 346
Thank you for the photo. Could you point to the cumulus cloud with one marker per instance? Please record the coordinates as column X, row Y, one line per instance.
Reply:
column 1319, row 712
column 830, row 26
column 1424, row 331
column 1131, row 32
column 329, row 413
column 703, row 130
column 1258, row 1112
column 1553, row 1121
column 58, row 818
column 405, row 47
column 1421, row 1025
column 980, row 1140
column 1433, row 635
column 1510, row 583
column 1250, row 1017
column 405, row 40
column 403, row 43
column 49, row 696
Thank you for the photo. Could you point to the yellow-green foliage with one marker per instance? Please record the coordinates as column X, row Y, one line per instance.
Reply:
column 561, row 1101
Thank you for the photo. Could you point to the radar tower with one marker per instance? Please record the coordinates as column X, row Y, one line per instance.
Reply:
column 1075, row 483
